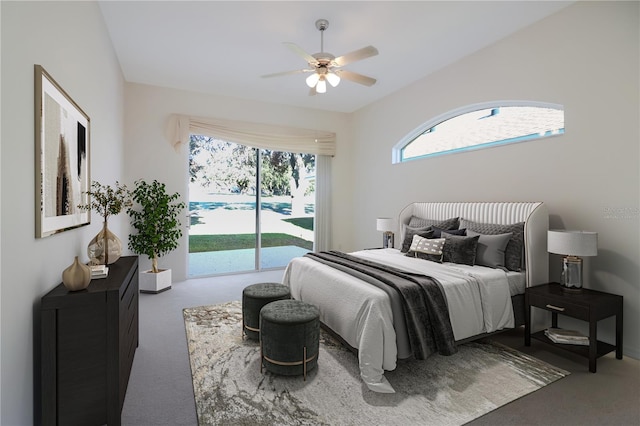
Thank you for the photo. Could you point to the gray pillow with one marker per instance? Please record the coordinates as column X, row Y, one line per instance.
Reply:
column 437, row 232
column 409, row 232
column 490, row 251
column 418, row 222
column 458, row 249
column 515, row 248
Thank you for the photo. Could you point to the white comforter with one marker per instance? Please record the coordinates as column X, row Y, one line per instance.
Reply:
column 478, row 299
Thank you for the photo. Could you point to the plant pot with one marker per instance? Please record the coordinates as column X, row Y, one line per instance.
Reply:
column 155, row 282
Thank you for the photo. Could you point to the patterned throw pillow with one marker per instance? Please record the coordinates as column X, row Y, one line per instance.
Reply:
column 418, row 222
column 513, row 253
column 409, row 232
column 425, row 248
column 458, row 249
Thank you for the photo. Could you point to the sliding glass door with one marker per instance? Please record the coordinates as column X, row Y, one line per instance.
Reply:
column 249, row 209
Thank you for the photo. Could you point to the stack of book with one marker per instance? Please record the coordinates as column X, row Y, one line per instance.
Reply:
column 99, row 271
column 567, row 337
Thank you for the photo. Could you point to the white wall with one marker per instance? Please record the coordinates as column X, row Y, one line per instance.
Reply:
column 149, row 155
column 69, row 39
column 586, row 58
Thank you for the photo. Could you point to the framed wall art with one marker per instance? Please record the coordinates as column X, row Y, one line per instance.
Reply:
column 62, row 158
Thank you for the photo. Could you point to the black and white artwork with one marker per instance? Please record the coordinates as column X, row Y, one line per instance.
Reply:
column 62, row 158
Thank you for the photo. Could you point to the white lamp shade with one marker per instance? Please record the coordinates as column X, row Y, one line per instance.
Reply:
column 572, row 243
column 333, row 79
column 312, row 79
column 321, row 87
column 385, row 224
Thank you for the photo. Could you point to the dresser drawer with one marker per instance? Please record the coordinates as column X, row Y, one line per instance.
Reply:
column 559, row 306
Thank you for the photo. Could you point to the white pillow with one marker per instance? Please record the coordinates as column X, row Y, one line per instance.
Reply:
column 426, row 245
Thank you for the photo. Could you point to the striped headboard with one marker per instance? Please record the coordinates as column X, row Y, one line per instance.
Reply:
column 534, row 215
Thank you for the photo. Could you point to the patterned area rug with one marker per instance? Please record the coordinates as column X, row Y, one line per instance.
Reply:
column 229, row 388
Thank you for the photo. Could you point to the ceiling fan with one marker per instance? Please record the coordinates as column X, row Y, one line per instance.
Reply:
column 326, row 67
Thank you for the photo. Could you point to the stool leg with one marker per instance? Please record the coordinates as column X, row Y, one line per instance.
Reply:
column 261, row 357
column 304, row 363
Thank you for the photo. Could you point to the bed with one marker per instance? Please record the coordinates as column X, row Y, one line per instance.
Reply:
column 480, row 297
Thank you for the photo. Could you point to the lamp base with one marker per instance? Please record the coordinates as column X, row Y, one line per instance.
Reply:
column 387, row 239
column 572, row 274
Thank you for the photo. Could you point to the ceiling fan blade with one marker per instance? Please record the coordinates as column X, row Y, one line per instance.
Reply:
column 356, row 55
column 312, row 91
column 300, row 52
column 278, row 74
column 356, row 78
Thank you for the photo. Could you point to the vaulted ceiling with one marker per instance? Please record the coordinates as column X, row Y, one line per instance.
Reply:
column 224, row 47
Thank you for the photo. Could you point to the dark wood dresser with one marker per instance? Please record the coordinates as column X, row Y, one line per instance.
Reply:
column 89, row 338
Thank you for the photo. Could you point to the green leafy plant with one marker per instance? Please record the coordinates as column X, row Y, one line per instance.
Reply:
column 107, row 201
column 155, row 218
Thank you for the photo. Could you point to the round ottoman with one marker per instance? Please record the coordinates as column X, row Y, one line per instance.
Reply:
column 254, row 297
column 289, row 337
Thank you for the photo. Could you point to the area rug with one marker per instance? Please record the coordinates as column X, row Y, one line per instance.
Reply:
column 230, row 390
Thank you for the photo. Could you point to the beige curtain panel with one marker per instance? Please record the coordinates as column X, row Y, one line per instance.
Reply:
column 256, row 135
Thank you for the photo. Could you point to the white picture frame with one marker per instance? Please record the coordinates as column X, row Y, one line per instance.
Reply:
column 62, row 169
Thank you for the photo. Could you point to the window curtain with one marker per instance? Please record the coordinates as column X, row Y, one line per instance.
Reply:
column 272, row 137
column 255, row 135
column 323, row 204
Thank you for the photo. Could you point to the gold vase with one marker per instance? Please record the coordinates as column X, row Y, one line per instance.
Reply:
column 77, row 276
column 105, row 248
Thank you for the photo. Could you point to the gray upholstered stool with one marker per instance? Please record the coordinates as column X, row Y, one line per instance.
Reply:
column 289, row 337
column 254, row 297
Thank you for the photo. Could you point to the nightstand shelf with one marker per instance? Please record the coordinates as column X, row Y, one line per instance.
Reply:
column 587, row 305
column 602, row 348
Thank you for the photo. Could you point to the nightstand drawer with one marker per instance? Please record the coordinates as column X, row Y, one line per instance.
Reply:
column 559, row 306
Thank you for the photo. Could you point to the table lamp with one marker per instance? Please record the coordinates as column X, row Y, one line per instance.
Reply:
column 387, row 226
column 572, row 244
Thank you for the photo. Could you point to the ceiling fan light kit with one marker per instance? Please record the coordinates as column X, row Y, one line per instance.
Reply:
column 326, row 67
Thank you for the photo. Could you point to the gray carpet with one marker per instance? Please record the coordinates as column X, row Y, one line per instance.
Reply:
column 229, row 388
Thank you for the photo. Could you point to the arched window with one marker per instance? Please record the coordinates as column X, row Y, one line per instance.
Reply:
column 481, row 126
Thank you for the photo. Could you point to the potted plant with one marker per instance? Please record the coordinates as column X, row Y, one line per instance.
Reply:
column 155, row 218
column 105, row 248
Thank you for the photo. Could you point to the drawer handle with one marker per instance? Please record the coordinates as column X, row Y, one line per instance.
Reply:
column 556, row 308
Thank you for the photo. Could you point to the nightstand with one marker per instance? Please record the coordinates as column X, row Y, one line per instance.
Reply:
column 587, row 305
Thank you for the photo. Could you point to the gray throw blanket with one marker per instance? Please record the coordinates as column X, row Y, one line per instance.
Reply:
column 425, row 307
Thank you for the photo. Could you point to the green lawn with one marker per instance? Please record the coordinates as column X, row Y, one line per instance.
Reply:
column 202, row 243
column 302, row 222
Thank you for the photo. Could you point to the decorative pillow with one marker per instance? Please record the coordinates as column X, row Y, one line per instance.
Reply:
column 425, row 248
column 513, row 253
column 459, row 249
column 409, row 232
column 418, row 222
column 437, row 232
column 490, row 251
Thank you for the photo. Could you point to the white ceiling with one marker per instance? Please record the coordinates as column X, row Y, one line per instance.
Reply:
column 224, row 47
